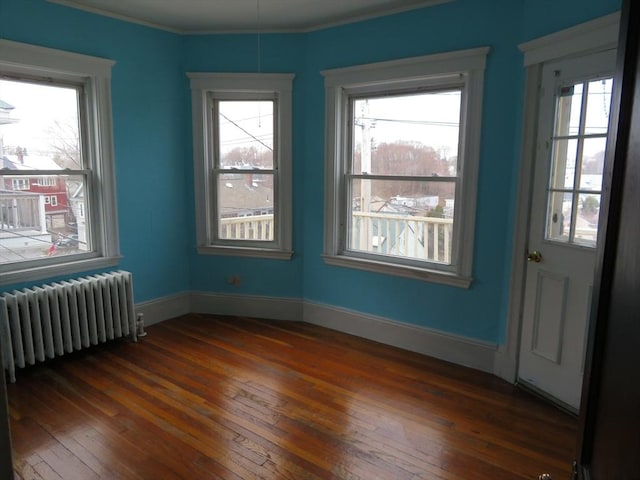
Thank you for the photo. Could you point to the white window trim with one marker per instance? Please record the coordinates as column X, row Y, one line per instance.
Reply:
column 406, row 72
column 202, row 85
column 30, row 60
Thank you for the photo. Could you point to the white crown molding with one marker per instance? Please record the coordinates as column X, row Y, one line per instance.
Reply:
column 116, row 16
column 265, row 28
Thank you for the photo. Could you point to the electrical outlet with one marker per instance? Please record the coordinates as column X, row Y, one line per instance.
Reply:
column 234, row 280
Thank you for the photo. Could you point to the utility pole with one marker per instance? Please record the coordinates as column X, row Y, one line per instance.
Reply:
column 366, row 124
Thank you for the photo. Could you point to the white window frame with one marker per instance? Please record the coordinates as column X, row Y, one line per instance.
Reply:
column 463, row 68
column 21, row 184
column 19, row 60
column 47, row 181
column 204, row 87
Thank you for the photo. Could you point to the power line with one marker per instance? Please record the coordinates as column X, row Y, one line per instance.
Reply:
column 253, row 118
column 246, row 131
column 413, row 122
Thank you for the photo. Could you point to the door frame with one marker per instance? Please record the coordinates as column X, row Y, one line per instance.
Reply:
column 590, row 37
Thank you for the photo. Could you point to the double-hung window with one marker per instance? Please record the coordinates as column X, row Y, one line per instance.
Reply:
column 57, row 185
column 402, row 147
column 242, row 155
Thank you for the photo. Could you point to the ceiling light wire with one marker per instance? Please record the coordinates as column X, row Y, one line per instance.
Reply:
column 259, row 39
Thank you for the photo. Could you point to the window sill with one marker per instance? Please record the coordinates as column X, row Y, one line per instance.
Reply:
column 424, row 274
column 245, row 252
column 49, row 271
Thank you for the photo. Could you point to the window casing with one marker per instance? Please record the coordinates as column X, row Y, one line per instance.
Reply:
column 242, row 163
column 398, row 203
column 48, row 183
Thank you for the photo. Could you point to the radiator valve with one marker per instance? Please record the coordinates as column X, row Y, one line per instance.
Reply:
column 140, row 326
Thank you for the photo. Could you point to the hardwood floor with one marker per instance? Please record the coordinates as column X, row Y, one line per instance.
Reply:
column 205, row 397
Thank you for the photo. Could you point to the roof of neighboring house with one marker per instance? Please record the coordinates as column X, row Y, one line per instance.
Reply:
column 16, row 193
column 242, row 196
column 5, row 113
column 31, row 162
column 5, row 163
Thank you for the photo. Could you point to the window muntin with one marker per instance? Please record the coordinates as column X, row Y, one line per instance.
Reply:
column 577, row 146
column 57, row 149
column 402, row 165
column 398, row 246
column 242, row 160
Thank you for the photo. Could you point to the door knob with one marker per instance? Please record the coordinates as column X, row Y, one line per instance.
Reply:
column 534, row 256
column 545, row 476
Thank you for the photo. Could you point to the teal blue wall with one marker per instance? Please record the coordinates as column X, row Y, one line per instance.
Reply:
column 238, row 53
column 151, row 105
column 150, row 121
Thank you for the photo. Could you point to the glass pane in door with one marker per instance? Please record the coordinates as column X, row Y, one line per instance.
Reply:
column 577, row 161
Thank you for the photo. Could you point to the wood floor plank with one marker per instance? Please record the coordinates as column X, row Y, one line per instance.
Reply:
column 214, row 397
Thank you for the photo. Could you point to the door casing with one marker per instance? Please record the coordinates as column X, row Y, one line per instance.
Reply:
column 590, row 37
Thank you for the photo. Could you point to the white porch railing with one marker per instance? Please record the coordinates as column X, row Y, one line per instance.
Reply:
column 421, row 238
column 22, row 211
column 257, row 227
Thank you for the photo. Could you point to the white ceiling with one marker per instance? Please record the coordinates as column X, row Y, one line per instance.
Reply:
column 213, row 16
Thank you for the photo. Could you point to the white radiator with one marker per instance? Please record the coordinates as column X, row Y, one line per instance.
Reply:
column 44, row 322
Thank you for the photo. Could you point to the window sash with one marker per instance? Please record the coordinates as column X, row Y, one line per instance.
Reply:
column 350, row 96
column 217, row 221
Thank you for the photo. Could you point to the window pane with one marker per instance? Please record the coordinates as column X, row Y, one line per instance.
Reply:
column 39, row 127
column 598, row 106
column 42, row 221
column 568, row 110
column 245, row 206
column 592, row 163
column 587, row 222
column 246, row 134
column 559, row 216
column 404, row 219
column 564, row 163
column 413, row 134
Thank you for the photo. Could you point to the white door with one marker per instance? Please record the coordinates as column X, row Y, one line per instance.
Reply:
column 573, row 122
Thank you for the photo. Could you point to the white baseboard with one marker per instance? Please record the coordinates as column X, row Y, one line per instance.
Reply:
column 452, row 348
column 271, row 308
column 457, row 349
column 505, row 364
column 164, row 308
